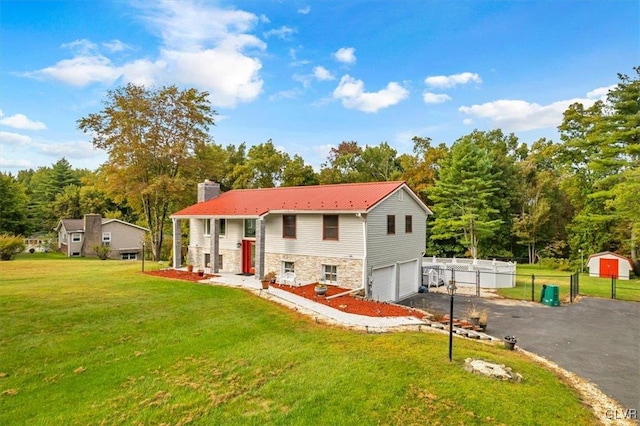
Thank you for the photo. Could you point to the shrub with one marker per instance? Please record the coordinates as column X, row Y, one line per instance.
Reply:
column 102, row 251
column 10, row 245
column 555, row 263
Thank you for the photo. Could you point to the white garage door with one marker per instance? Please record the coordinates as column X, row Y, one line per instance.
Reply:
column 384, row 284
column 409, row 278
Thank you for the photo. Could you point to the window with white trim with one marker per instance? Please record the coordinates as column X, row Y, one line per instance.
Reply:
column 288, row 226
column 223, row 226
column 330, row 273
column 76, row 238
column 330, row 227
column 249, row 228
column 288, row 267
column 129, row 256
column 206, row 224
column 391, row 224
column 106, row 237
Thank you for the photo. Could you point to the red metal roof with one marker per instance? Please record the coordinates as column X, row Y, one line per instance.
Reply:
column 357, row 197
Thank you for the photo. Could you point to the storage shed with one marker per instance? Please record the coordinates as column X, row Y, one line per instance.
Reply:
column 607, row 265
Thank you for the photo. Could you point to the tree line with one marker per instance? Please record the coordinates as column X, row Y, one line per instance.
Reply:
column 492, row 195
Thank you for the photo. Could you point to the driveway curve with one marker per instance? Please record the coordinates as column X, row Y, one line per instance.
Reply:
column 597, row 339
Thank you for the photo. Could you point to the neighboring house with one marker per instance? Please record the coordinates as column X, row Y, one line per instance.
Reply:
column 607, row 265
column 79, row 237
column 364, row 235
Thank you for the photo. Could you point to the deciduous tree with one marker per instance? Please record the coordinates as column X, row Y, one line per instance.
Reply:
column 151, row 137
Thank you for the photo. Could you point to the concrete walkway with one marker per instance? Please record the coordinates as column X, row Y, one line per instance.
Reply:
column 318, row 310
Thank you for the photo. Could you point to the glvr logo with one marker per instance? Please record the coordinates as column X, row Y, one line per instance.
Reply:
column 627, row 414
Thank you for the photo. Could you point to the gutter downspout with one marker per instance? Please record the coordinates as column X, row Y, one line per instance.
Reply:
column 364, row 262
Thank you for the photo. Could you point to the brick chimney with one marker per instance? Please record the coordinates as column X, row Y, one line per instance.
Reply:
column 92, row 233
column 208, row 190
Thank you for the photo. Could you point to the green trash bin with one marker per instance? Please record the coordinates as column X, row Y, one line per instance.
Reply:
column 551, row 295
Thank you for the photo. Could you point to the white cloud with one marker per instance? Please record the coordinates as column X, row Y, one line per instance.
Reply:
column 9, row 163
column 207, row 47
column 142, row 71
column 435, row 98
column 351, row 92
column 304, row 10
column 82, row 46
column 227, row 88
column 78, row 149
column 286, row 94
column 20, row 121
column 80, row 71
column 10, row 138
column 445, row 81
column 467, row 122
column 282, row 33
column 323, row 150
column 346, row 55
column 115, row 46
column 518, row 115
column 322, row 74
column 600, row 92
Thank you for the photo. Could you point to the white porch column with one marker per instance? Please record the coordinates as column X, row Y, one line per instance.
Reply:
column 260, row 241
column 177, row 244
column 214, row 246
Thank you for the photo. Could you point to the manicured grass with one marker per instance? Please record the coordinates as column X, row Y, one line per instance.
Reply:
column 91, row 342
column 589, row 286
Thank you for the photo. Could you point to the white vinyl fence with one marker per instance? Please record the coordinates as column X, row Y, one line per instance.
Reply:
column 482, row 273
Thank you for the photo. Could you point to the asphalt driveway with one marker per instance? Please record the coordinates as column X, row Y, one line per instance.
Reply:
column 597, row 339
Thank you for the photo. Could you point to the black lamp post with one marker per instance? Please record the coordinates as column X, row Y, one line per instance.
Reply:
column 143, row 244
column 451, row 289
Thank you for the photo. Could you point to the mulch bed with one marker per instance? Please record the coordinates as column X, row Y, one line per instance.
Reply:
column 351, row 304
column 180, row 275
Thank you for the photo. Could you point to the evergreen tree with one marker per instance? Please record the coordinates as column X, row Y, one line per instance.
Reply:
column 13, row 205
column 464, row 195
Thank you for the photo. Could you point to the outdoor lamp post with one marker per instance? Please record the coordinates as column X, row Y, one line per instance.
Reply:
column 451, row 289
column 143, row 244
column 581, row 261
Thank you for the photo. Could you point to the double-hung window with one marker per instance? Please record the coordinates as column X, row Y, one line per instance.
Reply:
column 391, row 224
column 330, row 273
column 408, row 224
column 249, row 228
column 330, row 227
column 288, row 226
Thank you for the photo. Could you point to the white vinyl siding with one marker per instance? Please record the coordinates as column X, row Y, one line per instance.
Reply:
column 309, row 240
column 386, row 249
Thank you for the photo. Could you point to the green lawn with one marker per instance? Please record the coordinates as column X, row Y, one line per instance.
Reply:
column 96, row 342
column 589, row 286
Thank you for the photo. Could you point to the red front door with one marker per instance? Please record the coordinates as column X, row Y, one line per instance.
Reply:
column 248, row 257
column 608, row 268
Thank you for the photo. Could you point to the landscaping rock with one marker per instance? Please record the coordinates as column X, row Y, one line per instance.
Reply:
column 495, row 371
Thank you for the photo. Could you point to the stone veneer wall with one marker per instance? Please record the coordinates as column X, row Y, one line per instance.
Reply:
column 309, row 268
column 230, row 259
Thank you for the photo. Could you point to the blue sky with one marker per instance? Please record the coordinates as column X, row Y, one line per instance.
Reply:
column 309, row 74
